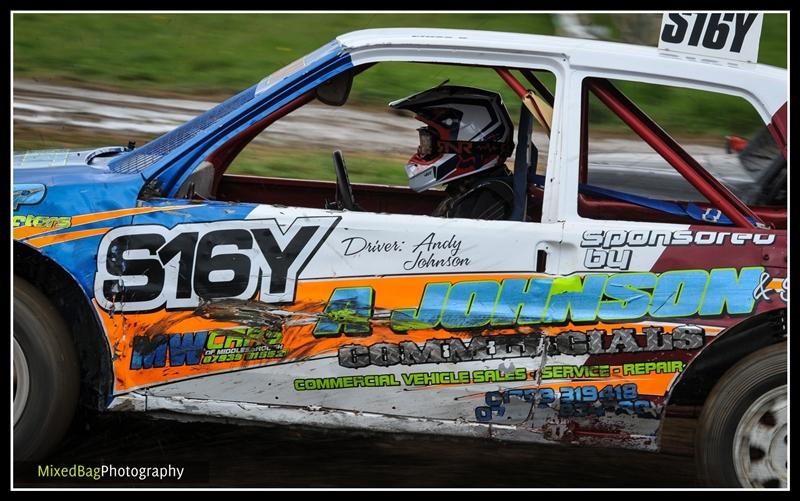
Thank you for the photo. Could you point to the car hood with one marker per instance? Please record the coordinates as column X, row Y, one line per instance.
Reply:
column 96, row 157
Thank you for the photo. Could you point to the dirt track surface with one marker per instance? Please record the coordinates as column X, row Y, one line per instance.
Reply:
column 256, row 456
column 314, row 125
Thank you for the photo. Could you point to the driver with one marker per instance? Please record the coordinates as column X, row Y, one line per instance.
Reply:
column 467, row 137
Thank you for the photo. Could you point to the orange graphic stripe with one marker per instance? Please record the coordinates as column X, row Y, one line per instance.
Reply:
column 298, row 332
column 28, row 231
column 65, row 237
column 776, row 284
column 647, row 384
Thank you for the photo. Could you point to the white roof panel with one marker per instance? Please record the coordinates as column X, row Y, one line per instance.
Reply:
column 580, row 52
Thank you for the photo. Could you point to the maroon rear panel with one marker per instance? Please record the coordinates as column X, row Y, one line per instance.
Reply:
column 314, row 194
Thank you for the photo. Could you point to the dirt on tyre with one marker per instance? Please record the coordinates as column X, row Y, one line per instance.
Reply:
column 741, row 439
column 46, row 374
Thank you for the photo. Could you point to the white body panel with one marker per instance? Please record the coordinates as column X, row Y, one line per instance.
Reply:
column 400, row 244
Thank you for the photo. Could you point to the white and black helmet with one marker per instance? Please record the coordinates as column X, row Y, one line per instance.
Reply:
column 467, row 131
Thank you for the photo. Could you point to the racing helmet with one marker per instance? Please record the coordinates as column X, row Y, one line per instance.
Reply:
column 468, row 130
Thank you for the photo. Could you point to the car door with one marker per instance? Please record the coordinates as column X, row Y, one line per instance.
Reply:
column 385, row 313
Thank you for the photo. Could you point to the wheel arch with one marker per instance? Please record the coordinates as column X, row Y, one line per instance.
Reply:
column 704, row 371
column 64, row 293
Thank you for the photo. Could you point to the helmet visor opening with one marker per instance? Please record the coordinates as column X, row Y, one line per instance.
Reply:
column 428, row 143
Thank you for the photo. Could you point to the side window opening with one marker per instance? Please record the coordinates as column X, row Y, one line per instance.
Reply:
column 290, row 162
column 623, row 177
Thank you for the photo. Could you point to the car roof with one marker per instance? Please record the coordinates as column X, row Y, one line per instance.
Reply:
column 579, row 52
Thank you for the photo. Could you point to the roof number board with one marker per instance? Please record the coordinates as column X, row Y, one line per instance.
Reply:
column 716, row 35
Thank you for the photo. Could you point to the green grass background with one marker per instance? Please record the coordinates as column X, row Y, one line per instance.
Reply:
column 218, row 54
column 212, row 53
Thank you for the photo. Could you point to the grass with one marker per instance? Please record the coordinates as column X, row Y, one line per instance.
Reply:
column 219, row 54
column 210, row 54
column 318, row 164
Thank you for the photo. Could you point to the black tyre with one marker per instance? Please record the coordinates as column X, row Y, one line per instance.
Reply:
column 46, row 374
column 741, row 439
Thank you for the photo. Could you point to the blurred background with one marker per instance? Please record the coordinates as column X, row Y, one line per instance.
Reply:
column 218, row 54
column 85, row 80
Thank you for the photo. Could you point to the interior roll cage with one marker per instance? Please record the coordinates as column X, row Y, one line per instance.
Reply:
column 715, row 192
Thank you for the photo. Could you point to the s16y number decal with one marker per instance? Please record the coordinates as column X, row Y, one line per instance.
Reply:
column 727, row 35
column 142, row 268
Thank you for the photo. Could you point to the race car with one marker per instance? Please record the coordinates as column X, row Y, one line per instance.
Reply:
column 149, row 279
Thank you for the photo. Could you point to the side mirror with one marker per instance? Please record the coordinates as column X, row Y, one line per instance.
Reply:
column 335, row 91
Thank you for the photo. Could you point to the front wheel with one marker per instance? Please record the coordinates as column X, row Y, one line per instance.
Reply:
column 742, row 434
column 45, row 374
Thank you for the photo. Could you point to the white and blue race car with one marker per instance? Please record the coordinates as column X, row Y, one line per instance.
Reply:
column 149, row 279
